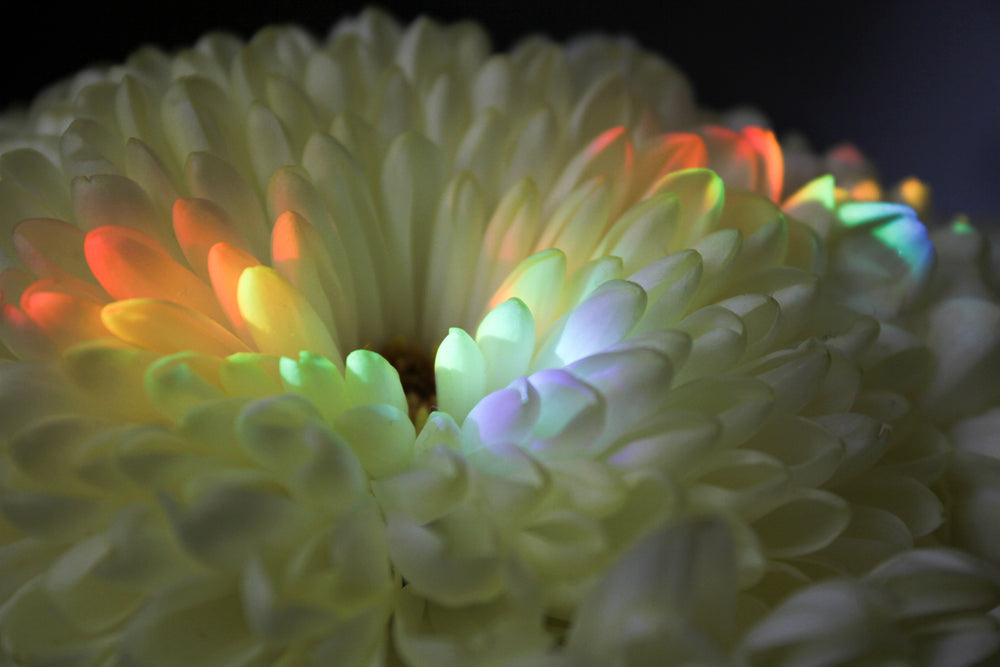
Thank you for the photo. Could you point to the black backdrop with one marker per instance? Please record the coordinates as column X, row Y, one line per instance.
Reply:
column 914, row 83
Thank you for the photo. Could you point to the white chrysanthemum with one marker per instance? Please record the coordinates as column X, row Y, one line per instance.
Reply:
column 391, row 350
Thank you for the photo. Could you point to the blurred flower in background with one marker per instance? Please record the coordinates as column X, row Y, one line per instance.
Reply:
column 389, row 349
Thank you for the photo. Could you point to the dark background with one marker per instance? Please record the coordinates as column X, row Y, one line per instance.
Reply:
column 914, row 84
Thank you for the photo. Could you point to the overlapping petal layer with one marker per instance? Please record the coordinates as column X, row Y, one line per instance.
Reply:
column 389, row 349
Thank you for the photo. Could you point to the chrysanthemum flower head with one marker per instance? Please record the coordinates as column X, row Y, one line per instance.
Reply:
column 387, row 349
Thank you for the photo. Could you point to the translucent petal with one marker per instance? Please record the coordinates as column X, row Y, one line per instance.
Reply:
column 131, row 265
column 606, row 103
column 572, row 414
column 299, row 254
column 381, row 436
column 701, row 195
column 63, row 313
column 226, row 264
column 634, row 384
column 199, row 224
column 504, row 416
column 158, row 631
column 211, row 177
column 166, row 327
column 604, row 319
column 562, row 544
column 538, row 282
column 642, row 234
column 251, row 375
column 371, row 379
column 908, row 499
column 317, row 379
column 279, row 318
column 330, row 478
column 506, row 337
column 182, row 381
column 459, row 374
column 108, row 200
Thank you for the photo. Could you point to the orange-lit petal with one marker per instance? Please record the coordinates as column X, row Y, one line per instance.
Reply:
column 915, row 194
column 225, row 266
column 866, row 190
column 298, row 255
column 280, row 319
column 131, row 265
column 772, row 173
column 67, row 317
column 671, row 152
column 166, row 328
column 199, row 224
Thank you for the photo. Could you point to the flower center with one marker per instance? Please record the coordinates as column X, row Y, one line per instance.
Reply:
column 416, row 374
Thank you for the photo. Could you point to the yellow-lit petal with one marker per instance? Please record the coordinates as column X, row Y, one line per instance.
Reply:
column 166, row 327
column 279, row 318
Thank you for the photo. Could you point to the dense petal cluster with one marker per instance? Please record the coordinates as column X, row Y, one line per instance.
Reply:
column 388, row 349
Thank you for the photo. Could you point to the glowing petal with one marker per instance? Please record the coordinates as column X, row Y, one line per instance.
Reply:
column 673, row 152
column 506, row 337
column 772, row 171
column 537, row 281
column 298, row 254
column 701, row 195
column 318, row 379
column 602, row 320
column 459, row 373
column 883, row 257
column 644, row 233
column 226, row 264
column 279, row 318
column 67, row 317
column 251, row 374
column 131, row 265
column 505, row 416
column 371, row 379
column 199, row 224
column 166, row 328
